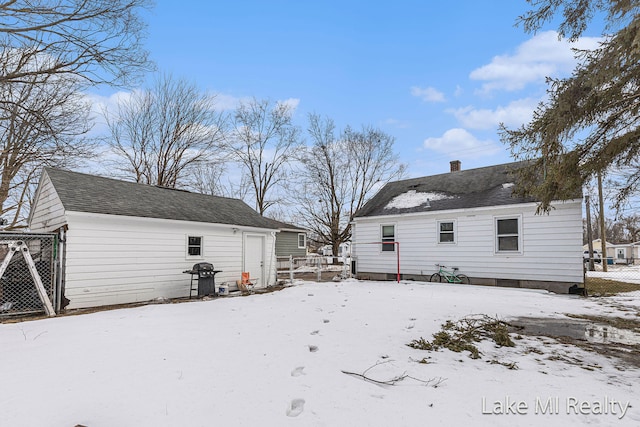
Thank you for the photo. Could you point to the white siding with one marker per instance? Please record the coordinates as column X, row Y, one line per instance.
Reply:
column 47, row 212
column 551, row 244
column 114, row 259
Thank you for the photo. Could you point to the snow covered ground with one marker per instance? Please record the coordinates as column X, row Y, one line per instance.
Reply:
column 277, row 359
column 622, row 273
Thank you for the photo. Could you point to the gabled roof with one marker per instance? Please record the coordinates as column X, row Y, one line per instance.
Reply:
column 81, row 192
column 487, row 186
column 283, row 226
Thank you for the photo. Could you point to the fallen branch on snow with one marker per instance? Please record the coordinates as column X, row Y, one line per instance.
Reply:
column 433, row 382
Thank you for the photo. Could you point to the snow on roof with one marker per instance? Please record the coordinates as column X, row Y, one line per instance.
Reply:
column 412, row 199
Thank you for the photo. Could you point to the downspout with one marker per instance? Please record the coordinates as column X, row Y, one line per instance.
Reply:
column 60, row 268
column 273, row 254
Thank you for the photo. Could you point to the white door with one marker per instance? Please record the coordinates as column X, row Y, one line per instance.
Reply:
column 254, row 258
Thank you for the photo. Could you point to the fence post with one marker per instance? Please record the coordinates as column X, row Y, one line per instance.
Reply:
column 319, row 269
column 291, row 268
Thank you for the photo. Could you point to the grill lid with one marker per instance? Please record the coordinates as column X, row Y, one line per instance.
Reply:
column 203, row 266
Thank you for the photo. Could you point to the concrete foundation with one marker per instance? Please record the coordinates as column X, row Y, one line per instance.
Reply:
column 555, row 287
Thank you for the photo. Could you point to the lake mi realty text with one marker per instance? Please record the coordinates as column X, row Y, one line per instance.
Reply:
column 556, row 406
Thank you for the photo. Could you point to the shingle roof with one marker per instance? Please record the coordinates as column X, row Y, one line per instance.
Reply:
column 286, row 226
column 488, row 186
column 95, row 194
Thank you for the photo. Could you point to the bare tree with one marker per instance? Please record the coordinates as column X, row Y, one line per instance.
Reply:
column 98, row 40
column 40, row 125
column 49, row 50
column 216, row 179
column 208, row 178
column 263, row 142
column 339, row 174
column 162, row 134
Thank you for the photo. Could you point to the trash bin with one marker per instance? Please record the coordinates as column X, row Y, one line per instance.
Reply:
column 206, row 276
column 609, row 261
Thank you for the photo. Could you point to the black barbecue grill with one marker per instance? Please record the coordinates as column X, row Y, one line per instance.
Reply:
column 206, row 276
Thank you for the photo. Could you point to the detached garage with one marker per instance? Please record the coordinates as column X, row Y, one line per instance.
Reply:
column 126, row 242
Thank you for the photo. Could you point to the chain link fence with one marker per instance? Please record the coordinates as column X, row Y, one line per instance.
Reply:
column 20, row 253
column 628, row 271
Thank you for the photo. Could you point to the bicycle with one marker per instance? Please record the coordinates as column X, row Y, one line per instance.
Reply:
column 449, row 276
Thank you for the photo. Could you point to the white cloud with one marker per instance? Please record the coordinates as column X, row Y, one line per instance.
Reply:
column 225, row 102
column 461, row 143
column 400, row 124
column 291, row 102
column 540, row 57
column 427, row 94
column 100, row 103
column 515, row 114
column 104, row 104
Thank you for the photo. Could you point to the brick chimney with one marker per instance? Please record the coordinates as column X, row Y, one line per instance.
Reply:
column 455, row 165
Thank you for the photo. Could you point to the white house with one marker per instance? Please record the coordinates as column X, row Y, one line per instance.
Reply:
column 126, row 242
column 618, row 253
column 471, row 220
column 597, row 247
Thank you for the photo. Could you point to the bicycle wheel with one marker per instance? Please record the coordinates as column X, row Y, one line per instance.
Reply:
column 436, row 277
column 463, row 279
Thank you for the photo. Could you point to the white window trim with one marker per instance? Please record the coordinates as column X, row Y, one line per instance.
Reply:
column 304, row 246
column 455, row 232
column 186, row 247
column 395, row 237
column 495, row 235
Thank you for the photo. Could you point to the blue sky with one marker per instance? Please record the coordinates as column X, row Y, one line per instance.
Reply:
column 438, row 76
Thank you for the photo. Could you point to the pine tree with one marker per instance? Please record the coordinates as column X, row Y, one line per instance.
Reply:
column 590, row 122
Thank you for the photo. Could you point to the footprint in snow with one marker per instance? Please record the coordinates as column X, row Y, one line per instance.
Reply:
column 325, row 320
column 295, row 407
column 313, row 348
column 298, row 371
column 316, row 332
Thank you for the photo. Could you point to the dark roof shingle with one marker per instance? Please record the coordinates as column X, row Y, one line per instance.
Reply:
column 95, row 194
column 487, row 186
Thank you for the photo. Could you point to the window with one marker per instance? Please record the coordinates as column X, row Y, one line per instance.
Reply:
column 446, row 232
column 194, row 246
column 388, row 235
column 507, row 234
column 302, row 241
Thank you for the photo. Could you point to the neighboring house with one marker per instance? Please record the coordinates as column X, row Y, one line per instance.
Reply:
column 619, row 253
column 129, row 242
column 291, row 240
column 344, row 250
column 633, row 254
column 597, row 246
column 622, row 253
column 471, row 220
